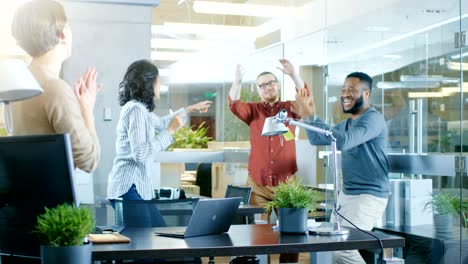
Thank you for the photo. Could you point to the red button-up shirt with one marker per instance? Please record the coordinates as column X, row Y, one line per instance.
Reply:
column 272, row 159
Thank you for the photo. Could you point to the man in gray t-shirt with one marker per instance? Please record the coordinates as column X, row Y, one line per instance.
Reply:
column 362, row 140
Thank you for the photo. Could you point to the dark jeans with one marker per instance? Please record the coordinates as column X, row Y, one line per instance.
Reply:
column 141, row 214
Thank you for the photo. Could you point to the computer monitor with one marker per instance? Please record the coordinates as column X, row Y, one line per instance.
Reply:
column 35, row 172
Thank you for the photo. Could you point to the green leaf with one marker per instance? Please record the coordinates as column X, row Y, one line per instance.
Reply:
column 189, row 137
column 64, row 225
column 291, row 194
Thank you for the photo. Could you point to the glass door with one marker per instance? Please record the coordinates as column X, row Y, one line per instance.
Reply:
column 408, row 48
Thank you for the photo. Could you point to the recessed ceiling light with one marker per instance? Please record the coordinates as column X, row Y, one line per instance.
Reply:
column 245, row 9
column 434, row 11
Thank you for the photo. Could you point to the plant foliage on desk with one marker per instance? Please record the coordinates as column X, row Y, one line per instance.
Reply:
column 188, row 137
column 64, row 225
column 292, row 194
column 446, row 203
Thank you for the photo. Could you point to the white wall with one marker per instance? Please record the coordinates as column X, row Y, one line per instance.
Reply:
column 109, row 37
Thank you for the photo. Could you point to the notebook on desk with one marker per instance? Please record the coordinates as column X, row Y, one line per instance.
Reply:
column 210, row 216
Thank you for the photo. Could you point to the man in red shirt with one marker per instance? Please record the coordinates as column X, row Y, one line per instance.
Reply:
column 272, row 158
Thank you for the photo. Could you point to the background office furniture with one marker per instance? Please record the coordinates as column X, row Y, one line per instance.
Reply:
column 424, row 245
column 174, row 212
column 239, row 191
column 240, row 240
column 204, row 179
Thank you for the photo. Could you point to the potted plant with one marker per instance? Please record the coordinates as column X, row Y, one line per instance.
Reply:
column 62, row 231
column 444, row 207
column 188, row 137
column 292, row 202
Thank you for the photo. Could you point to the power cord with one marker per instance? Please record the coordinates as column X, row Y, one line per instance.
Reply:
column 364, row 231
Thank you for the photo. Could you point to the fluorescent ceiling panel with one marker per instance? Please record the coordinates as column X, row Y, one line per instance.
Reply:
column 208, row 29
column 456, row 66
column 245, row 9
column 190, row 44
column 426, row 94
column 170, row 56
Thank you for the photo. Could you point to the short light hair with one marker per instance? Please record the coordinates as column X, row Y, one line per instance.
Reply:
column 37, row 26
column 266, row 73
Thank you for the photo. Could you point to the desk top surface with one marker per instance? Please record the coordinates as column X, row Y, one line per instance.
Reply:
column 240, row 240
column 426, row 231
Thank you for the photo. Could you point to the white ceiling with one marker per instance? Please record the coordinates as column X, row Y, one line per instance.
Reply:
column 334, row 32
column 365, row 35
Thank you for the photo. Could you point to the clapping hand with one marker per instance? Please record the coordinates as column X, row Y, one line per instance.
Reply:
column 304, row 105
column 86, row 88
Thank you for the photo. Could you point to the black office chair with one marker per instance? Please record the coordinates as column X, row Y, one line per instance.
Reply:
column 239, row 191
column 204, row 179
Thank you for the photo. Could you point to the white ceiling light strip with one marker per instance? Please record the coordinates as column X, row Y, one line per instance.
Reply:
column 170, row 56
column 255, row 10
column 189, row 44
column 208, row 29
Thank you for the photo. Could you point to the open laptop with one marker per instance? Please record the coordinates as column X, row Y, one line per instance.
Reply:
column 210, row 216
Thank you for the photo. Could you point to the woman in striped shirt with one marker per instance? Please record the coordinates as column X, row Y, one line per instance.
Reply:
column 141, row 135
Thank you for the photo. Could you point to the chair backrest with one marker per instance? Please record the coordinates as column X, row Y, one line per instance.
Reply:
column 239, row 191
column 204, row 179
column 136, row 213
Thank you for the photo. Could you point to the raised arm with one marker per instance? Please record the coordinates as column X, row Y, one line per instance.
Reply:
column 288, row 69
column 235, row 92
column 85, row 89
column 202, row 107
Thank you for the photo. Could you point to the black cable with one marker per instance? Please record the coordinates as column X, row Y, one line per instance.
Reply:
column 364, row 231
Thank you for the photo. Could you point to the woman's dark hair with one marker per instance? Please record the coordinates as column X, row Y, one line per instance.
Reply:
column 137, row 84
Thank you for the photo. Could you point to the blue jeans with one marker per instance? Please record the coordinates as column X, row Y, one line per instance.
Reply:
column 140, row 214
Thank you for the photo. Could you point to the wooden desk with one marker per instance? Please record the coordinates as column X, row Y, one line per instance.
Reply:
column 240, row 240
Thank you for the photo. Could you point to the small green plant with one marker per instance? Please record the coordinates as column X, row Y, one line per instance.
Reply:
column 64, row 225
column 188, row 137
column 442, row 203
column 446, row 203
column 291, row 194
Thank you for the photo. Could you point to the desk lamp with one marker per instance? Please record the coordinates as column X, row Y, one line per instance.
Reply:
column 275, row 125
column 16, row 83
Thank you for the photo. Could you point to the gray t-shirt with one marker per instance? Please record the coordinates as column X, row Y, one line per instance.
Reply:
column 363, row 144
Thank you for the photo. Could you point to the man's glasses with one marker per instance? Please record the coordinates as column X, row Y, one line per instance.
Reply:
column 270, row 83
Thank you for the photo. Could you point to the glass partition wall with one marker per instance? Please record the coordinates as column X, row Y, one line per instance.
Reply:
column 418, row 76
column 416, row 54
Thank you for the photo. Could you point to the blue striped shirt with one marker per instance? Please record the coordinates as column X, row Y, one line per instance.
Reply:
column 141, row 135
